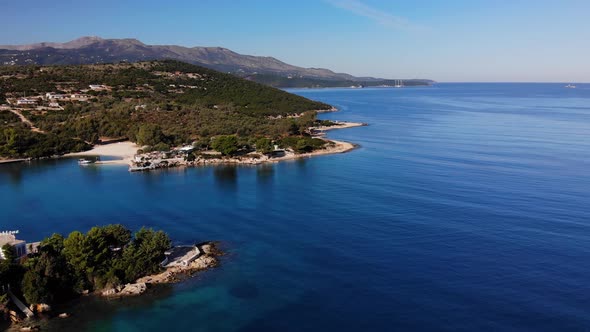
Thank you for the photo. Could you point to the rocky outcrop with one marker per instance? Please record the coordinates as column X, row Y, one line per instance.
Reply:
column 40, row 308
column 208, row 259
column 133, row 289
column 127, row 290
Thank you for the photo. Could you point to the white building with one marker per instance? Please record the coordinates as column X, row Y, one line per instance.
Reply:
column 97, row 87
column 79, row 97
column 56, row 96
column 20, row 246
column 26, row 101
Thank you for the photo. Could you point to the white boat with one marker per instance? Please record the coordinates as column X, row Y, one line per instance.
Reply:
column 570, row 86
column 85, row 161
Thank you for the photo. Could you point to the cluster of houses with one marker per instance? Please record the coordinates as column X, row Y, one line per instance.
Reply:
column 66, row 97
column 54, row 98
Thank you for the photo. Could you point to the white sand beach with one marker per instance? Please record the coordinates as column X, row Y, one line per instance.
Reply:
column 340, row 125
column 123, row 150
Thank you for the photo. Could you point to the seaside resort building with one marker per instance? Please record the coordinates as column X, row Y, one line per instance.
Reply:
column 20, row 246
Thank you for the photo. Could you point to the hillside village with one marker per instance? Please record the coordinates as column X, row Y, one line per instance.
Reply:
column 48, row 111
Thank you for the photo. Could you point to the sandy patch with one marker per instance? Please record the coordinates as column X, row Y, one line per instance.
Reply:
column 123, row 150
column 341, row 125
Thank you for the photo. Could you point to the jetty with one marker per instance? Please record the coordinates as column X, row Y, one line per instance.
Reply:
column 20, row 305
column 181, row 256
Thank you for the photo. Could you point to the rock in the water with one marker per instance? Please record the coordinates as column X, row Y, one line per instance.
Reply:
column 127, row 290
column 109, row 292
column 207, row 248
column 134, row 289
column 204, row 262
column 42, row 307
column 14, row 317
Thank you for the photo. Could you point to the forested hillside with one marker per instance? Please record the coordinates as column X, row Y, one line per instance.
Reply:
column 177, row 103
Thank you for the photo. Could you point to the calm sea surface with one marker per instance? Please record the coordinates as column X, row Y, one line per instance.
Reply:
column 466, row 208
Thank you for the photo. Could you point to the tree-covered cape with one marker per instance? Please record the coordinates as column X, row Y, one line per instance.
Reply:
column 103, row 257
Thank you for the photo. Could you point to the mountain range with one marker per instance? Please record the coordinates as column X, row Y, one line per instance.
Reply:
column 267, row 70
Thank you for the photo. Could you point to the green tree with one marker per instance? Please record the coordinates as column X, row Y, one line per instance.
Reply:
column 293, row 128
column 264, row 145
column 202, row 143
column 9, row 252
column 34, row 286
column 144, row 255
column 302, row 146
column 77, row 252
column 149, row 134
column 161, row 147
column 227, row 145
column 48, row 278
column 53, row 244
column 10, row 141
column 117, row 235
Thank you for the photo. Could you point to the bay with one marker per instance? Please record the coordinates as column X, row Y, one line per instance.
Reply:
column 465, row 207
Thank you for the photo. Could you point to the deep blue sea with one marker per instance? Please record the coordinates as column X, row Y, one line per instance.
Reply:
column 465, row 208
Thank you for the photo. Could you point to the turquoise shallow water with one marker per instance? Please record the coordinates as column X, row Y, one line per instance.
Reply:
column 465, row 208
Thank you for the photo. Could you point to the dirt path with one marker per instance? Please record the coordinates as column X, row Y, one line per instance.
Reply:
column 27, row 121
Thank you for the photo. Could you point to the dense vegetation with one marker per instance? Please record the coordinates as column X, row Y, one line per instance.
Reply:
column 166, row 102
column 19, row 141
column 65, row 267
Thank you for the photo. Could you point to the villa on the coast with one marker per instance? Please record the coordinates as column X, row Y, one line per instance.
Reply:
column 9, row 238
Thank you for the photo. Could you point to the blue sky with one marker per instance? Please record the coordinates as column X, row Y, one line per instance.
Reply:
column 446, row 40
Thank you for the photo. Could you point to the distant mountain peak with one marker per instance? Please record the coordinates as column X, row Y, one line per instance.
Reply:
column 95, row 49
column 81, row 42
column 87, row 39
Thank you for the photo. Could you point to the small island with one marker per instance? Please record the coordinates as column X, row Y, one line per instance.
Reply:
column 107, row 261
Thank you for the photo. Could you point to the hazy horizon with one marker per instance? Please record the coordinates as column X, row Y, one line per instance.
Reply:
column 454, row 41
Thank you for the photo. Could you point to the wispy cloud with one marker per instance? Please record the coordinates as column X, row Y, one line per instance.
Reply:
column 379, row 16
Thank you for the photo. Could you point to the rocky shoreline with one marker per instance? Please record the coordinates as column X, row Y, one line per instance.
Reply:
column 125, row 152
column 156, row 160
column 208, row 258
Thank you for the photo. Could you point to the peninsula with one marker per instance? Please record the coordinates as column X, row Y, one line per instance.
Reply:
column 49, row 111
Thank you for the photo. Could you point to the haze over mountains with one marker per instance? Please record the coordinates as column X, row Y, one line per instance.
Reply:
column 268, row 70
